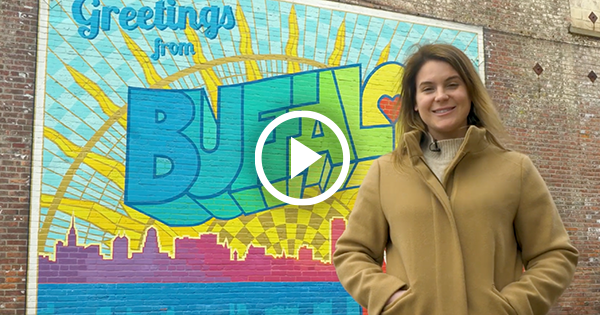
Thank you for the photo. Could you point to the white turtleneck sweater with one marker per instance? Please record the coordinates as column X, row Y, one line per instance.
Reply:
column 438, row 161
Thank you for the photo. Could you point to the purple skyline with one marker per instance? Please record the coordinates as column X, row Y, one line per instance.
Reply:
column 196, row 260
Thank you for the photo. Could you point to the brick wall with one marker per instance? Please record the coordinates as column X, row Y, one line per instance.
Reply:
column 554, row 117
column 18, row 33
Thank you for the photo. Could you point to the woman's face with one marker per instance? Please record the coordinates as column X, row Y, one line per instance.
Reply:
column 442, row 100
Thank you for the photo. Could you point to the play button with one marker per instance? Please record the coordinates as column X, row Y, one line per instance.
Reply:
column 301, row 158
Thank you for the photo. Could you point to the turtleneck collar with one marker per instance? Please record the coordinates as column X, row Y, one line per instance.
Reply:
column 443, row 150
column 475, row 140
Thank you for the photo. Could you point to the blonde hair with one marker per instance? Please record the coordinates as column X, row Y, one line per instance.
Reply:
column 483, row 112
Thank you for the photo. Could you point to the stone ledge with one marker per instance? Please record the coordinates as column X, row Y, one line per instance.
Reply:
column 584, row 31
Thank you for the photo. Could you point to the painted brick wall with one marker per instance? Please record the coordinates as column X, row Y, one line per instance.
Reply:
column 584, row 16
column 554, row 117
column 18, row 23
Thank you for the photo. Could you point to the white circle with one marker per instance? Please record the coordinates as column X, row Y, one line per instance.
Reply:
column 299, row 201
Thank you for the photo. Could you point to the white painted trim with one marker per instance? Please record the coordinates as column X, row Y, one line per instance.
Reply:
column 481, row 55
column 36, row 158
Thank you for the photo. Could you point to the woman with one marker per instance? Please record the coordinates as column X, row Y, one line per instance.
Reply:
column 468, row 227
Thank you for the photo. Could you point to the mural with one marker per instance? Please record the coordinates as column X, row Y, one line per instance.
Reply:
column 145, row 198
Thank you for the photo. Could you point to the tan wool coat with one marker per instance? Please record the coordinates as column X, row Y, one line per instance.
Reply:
column 457, row 247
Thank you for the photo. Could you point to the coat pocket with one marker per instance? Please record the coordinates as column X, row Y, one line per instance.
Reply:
column 402, row 305
column 506, row 304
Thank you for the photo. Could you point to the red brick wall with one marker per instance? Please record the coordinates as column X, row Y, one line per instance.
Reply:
column 554, row 117
column 18, row 31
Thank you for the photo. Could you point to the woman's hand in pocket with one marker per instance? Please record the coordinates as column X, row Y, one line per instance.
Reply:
column 395, row 296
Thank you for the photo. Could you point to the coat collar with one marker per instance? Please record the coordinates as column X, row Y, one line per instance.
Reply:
column 476, row 139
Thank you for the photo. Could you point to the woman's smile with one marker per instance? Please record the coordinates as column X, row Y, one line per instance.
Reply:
column 444, row 111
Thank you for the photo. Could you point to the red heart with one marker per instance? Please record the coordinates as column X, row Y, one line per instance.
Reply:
column 390, row 107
